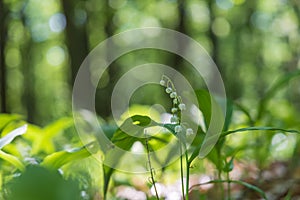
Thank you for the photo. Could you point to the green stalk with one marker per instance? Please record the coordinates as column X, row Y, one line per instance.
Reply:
column 151, row 169
column 228, row 186
column 181, row 172
column 221, row 187
column 187, row 175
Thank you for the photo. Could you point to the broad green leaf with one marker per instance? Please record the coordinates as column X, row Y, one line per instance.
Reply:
column 204, row 101
column 57, row 126
column 44, row 142
column 159, row 141
column 210, row 109
column 12, row 160
column 5, row 119
column 130, row 131
column 10, row 136
column 38, row 183
column 109, row 130
column 58, row 159
column 170, row 127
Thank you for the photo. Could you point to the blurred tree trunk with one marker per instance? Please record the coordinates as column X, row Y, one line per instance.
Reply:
column 104, row 108
column 29, row 76
column 215, row 52
column 77, row 40
column 3, row 34
column 295, row 161
column 176, row 60
column 214, row 39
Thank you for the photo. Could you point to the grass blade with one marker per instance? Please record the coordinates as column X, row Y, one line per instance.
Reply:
column 247, row 185
column 258, row 128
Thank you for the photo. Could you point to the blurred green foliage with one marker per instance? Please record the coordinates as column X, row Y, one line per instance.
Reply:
column 44, row 43
column 39, row 183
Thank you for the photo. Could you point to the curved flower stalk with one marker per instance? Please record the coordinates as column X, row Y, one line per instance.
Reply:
column 180, row 129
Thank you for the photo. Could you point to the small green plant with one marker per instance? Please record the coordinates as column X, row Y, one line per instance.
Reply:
column 27, row 149
column 41, row 157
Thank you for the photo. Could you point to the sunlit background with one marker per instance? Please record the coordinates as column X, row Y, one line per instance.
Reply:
column 254, row 43
column 44, row 43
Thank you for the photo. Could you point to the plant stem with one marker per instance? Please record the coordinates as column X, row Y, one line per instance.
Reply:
column 153, row 181
column 221, row 187
column 228, row 186
column 151, row 169
column 187, row 175
column 181, row 171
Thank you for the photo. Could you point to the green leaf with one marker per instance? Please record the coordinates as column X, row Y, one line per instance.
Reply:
column 131, row 130
column 228, row 117
column 210, row 109
column 170, row 127
column 126, row 135
column 11, row 136
column 264, row 128
column 12, row 160
column 228, row 167
column 38, row 183
column 247, row 185
column 251, row 187
column 204, row 101
column 58, row 159
column 44, row 142
column 56, row 127
column 5, row 119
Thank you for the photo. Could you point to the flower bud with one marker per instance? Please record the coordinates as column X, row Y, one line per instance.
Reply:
column 182, row 106
column 178, row 128
column 173, row 95
column 168, row 90
column 175, row 101
column 174, row 119
column 189, row 132
column 174, row 110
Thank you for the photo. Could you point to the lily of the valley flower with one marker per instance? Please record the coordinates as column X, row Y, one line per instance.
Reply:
column 178, row 128
column 189, row 132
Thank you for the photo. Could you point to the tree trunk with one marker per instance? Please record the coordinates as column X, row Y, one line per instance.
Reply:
column 29, row 96
column 3, row 35
column 177, row 61
column 77, row 41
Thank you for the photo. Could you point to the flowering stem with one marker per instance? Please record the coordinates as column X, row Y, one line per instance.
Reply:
column 181, row 171
column 187, row 174
column 178, row 107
